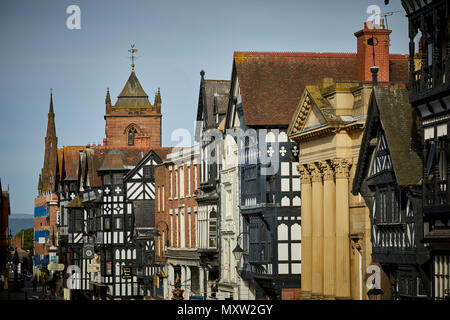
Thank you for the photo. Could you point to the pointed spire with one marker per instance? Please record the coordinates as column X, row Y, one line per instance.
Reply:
column 158, row 97
column 50, row 111
column 108, row 98
column 50, row 157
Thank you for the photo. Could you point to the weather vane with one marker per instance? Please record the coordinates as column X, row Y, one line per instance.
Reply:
column 132, row 51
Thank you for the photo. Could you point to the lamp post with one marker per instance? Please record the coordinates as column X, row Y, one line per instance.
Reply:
column 238, row 252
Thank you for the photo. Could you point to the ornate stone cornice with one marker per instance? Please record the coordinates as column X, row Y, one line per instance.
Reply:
column 305, row 175
column 342, row 168
column 327, row 170
column 316, row 172
column 303, row 114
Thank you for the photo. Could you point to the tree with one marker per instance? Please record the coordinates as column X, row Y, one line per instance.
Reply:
column 28, row 241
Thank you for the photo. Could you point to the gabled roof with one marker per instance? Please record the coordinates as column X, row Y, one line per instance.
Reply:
column 271, row 83
column 213, row 98
column 125, row 158
column 389, row 110
column 314, row 111
column 143, row 161
column 132, row 94
column 67, row 156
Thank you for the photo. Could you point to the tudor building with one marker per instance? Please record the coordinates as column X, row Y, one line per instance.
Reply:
column 267, row 229
column 212, row 102
column 388, row 176
column 429, row 94
column 105, row 224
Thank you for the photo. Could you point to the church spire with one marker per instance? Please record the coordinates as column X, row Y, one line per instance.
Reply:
column 51, row 119
column 51, row 152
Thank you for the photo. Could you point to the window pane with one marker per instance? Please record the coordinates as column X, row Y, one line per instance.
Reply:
column 118, row 178
column 107, row 179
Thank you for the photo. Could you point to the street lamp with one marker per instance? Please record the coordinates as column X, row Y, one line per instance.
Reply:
column 375, row 294
column 237, row 252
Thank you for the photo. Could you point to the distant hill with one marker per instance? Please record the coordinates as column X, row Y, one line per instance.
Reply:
column 21, row 216
column 19, row 221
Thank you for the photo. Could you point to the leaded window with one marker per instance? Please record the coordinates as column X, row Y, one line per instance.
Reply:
column 149, row 172
column 212, row 228
column 117, row 178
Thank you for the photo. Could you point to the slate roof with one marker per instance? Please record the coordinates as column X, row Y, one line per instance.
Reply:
column 213, row 98
column 400, row 124
column 271, row 83
column 132, row 94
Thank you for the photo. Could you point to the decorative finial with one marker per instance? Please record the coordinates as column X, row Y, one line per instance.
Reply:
column 158, row 97
column 108, row 98
column 51, row 101
column 132, row 51
column 202, row 73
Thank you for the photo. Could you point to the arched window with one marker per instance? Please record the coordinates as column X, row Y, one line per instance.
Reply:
column 131, row 134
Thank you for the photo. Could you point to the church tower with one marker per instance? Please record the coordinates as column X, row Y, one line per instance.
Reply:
column 133, row 120
column 48, row 173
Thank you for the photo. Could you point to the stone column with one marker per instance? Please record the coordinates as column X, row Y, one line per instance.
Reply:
column 329, row 230
column 317, row 231
column 170, row 282
column 183, row 277
column 188, row 282
column 306, row 278
column 201, row 276
column 341, row 167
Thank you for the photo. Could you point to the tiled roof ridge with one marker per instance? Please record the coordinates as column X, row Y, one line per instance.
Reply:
column 309, row 54
column 217, row 80
column 294, row 54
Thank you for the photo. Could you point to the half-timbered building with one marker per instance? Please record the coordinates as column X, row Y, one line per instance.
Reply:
column 429, row 94
column 388, row 176
column 106, row 199
column 262, row 87
column 212, row 102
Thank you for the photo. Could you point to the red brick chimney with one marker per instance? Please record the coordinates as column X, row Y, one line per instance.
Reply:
column 365, row 53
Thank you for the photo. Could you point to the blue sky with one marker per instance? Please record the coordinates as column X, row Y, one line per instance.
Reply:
column 176, row 39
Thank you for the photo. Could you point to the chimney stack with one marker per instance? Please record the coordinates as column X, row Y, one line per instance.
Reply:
column 365, row 53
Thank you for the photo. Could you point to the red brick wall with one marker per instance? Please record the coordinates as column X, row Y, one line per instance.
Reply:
column 162, row 178
column 150, row 127
column 365, row 53
column 4, row 223
column 290, row 293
